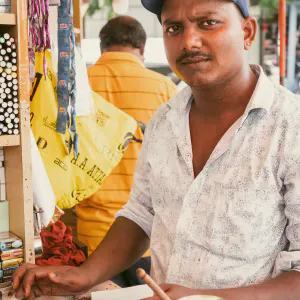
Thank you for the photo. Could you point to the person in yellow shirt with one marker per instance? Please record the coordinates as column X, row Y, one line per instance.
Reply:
column 120, row 77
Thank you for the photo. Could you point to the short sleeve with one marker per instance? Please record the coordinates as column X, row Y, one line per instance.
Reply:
column 289, row 260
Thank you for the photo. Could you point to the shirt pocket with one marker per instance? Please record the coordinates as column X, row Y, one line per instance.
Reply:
column 243, row 219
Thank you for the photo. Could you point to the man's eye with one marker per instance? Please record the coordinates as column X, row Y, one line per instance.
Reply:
column 172, row 29
column 210, row 23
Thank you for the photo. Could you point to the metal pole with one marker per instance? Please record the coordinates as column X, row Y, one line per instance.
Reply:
column 282, row 32
column 291, row 63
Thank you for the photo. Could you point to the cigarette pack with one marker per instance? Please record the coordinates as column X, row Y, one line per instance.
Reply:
column 5, row 279
column 4, row 222
column 8, row 272
column 9, row 241
column 7, row 264
column 4, row 2
column 5, row 9
column 11, row 254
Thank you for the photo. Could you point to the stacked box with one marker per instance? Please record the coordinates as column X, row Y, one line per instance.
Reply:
column 11, row 256
column 5, row 6
column 4, row 221
column 9, row 241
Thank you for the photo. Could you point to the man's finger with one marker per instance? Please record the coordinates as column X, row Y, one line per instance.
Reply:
column 54, row 277
column 19, row 292
column 31, row 296
column 34, row 293
column 33, row 275
column 28, row 281
column 18, row 275
column 63, row 278
column 165, row 287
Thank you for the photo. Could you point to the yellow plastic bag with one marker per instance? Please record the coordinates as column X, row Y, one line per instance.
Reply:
column 103, row 138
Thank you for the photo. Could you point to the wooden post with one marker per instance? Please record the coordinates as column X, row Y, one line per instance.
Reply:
column 18, row 156
column 282, row 32
column 77, row 21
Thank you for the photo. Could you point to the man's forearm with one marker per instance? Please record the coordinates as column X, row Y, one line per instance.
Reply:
column 284, row 287
column 123, row 245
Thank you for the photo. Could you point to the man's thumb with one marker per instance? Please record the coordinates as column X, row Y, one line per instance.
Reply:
column 56, row 278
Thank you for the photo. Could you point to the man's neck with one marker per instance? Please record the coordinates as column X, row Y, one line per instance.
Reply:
column 128, row 49
column 230, row 97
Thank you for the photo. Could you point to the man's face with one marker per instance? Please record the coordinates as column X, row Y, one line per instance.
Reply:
column 204, row 40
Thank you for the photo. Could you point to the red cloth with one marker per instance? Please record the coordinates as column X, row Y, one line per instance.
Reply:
column 58, row 247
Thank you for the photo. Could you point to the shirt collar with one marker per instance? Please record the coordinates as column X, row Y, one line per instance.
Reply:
column 118, row 56
column 262, row 97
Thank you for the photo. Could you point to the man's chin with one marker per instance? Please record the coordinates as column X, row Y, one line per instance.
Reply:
column 196, row 78
column 203, row 81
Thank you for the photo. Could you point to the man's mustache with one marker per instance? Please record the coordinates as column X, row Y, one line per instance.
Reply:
column 192, row 54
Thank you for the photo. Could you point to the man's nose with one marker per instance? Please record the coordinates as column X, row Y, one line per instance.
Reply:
column 191, row 39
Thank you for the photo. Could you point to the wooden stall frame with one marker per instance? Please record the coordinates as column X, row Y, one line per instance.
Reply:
column 18, row 156
column 77, row 20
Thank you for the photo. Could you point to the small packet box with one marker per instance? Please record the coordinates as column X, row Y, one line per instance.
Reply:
column 5, row 9
column 5, row 279
column 4, row 221
column 7, row 264
column 11, row 254
column 8, row 272
column 9, row 241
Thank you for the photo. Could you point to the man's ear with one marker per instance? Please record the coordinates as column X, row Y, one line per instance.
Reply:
column 142, row 50
column 250, row 30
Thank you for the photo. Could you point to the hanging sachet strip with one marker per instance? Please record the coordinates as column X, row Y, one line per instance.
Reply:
column 66, row 84
column 39, row 35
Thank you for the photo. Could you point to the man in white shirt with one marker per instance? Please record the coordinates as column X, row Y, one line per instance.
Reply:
column 216, row 185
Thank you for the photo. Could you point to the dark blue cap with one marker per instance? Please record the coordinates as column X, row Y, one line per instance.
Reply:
column 155, row 6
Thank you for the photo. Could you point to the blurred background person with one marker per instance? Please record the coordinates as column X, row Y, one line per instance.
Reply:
column 120, row 77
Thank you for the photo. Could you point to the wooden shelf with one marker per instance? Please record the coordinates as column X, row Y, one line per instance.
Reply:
column 9, row 140
column 8, row 19
column 17, row 160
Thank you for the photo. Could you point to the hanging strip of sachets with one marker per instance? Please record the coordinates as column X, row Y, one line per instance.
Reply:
column 39, row 36
column 66, row 85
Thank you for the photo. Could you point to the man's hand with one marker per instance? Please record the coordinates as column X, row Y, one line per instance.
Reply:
column 175, row 292
column 30, row 281
column 285, row 286
column 105, row 262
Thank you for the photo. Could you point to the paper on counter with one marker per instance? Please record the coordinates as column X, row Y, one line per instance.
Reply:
column 132, row 293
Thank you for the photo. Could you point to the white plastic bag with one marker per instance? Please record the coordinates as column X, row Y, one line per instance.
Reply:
column 43, row 195
column 84, row 97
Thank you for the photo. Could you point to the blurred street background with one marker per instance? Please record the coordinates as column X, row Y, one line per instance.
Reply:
column 265, row 51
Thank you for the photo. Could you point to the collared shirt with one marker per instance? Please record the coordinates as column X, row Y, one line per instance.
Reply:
column 121, row 79
column 236, row 223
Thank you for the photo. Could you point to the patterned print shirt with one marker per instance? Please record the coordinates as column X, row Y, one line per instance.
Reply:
column 238, row 222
